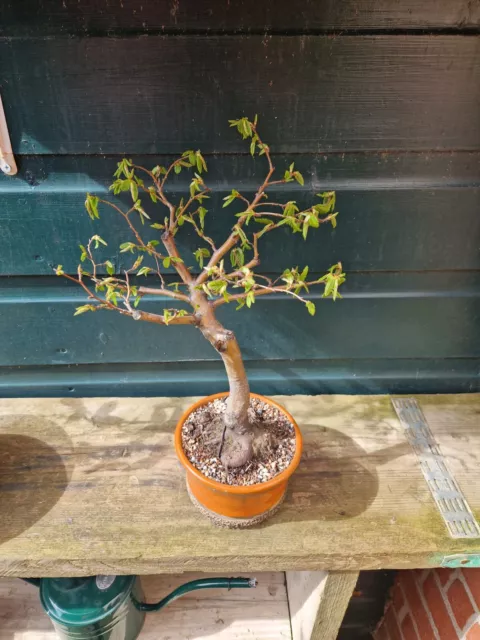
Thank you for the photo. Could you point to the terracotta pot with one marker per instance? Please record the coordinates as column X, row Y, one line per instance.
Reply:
column 233, row 505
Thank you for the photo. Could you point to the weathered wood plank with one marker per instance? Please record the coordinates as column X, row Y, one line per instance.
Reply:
column 318, row 601
column 109, row 95
column 49, row 17
column 393, row 316
column 93, row 486
column 234, row 615
column 384, row 201
column 334, row 603
column 267, row 376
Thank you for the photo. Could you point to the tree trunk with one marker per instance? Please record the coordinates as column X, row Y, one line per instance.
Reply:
column 236, row 446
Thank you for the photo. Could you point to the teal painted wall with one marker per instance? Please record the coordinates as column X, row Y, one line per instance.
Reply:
column 378, row 100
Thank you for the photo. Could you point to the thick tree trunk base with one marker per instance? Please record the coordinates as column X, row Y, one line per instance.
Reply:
column 253, row 452
column 237, row 449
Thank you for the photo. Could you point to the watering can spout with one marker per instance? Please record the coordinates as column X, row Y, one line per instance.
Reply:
column 194, row 585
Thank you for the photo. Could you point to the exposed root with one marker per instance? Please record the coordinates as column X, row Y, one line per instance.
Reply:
column 237, row 449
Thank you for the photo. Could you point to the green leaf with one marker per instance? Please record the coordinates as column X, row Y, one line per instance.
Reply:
column 202, row 212
column 136, row 302
column 290, row 208
column 201, row 164
column 84, row 254
column 167, row 316
column 166, row 262
column 329, row 285
column 303, row 276
column 243, row 238
column 91, row 205
column 157, row 225
column 217, row 286
column 305, row 228
column 310, row 307
column 98, row 241
column 333, row 219
column 59, row 270
column 313, row 221
column 250, row 299
column 137, row 263
column 177, row 168
column 144, row 271
column 84, row 308
column 153, row 194
column 110, row 268
column 229, row 199
column 237, row 257
column 138, row 207
column 127, row 246
column 240, row 305
column 264, row 221
column 200, row 255
column 134, row 190
column 322, row 209
column 298, row 177
column 159, row 170
column 123, row 167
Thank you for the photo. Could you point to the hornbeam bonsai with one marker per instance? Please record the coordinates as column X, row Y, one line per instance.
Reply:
column 227, row 271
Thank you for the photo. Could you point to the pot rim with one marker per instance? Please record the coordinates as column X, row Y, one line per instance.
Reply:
column 220, row 486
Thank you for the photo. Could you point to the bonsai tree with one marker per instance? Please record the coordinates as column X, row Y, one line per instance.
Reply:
column 227, row 271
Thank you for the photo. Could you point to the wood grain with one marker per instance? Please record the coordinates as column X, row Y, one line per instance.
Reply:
column 318, row 601
column 384, row 201
column 93, row 486
column 268, row 376
column 49, row 17
column 305, row 590
column 114, row 95
column 395, row 325
column 336, row 596
column 260, row 614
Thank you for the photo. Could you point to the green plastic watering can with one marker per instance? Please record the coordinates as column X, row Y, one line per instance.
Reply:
column 110, row 607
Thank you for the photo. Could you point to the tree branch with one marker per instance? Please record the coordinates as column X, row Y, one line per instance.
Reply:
column 171, row 247
column 232, row 240
column 163, row 292
column 157, row 319
column 261, row 290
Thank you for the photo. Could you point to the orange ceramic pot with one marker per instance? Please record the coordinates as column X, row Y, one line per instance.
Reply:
column 238, row 504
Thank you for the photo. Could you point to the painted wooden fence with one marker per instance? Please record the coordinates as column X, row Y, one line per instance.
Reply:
column 377, row 100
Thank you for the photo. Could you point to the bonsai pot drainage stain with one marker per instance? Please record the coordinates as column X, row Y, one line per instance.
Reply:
column 110, row 607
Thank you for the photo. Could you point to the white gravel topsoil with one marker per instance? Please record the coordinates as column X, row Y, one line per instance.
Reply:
column 272, row 460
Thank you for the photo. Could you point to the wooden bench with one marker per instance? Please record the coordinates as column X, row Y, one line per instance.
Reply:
column 92, row 486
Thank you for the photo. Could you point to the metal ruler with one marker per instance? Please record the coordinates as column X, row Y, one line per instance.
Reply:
column 450, row 501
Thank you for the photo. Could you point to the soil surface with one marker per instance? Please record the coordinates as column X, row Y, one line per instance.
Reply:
column 274, row 444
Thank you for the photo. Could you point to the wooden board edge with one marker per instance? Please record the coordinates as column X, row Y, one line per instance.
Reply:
column 318, row 601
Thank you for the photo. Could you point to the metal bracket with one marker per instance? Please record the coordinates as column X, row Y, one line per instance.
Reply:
column 462, row 561
column 451, row 502
column 7, row 159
